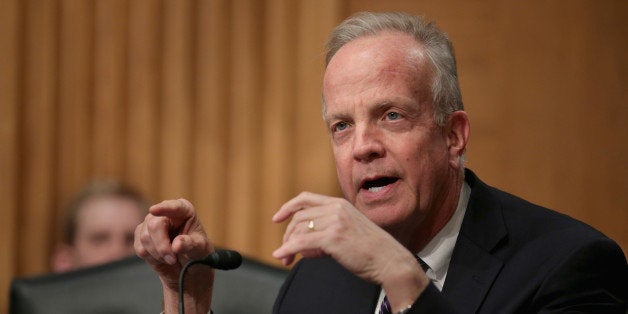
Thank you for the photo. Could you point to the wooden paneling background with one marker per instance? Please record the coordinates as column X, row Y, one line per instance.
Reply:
column 217, row 101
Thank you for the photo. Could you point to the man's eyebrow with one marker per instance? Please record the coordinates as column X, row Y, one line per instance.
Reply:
column 385, row 104
column 336, row 117
column 377, row 107
column 382, row 105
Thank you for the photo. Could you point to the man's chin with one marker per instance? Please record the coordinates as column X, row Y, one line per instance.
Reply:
column 384, row 218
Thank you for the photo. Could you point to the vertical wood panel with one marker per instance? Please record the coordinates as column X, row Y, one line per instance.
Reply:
column 244, row 127
column 37, row 195
column 562, row 92
column 315, row 169
column 144, row 55
column 10, row 19
column 75, row 96
column 109, row 87
column 174, row 128
column 211, row 146
column 595, row 67
column 278, row 120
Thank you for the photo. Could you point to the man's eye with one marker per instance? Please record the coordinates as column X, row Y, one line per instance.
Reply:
column 393, row 116
column 340, row 126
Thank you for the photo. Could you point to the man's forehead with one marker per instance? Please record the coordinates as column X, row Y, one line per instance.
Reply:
column 370, row 57
column 385, row 46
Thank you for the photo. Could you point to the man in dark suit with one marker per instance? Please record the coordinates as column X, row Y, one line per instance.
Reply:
column 415, row 231
column 510, row 257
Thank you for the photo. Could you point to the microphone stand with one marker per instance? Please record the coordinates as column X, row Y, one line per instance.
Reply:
column 219, row 259
column 181, row 280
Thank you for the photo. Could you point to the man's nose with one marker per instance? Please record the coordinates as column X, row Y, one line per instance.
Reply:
column 368, row 144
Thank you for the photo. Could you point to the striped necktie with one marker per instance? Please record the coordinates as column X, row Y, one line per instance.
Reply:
column 385, row 308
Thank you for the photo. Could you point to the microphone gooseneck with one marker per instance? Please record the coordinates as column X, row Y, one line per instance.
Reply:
column 219, row 259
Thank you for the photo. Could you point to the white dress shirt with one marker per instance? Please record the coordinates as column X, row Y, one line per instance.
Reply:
column 437, row 253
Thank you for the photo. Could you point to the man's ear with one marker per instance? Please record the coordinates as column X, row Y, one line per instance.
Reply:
column 62, row 259
column 457, row 130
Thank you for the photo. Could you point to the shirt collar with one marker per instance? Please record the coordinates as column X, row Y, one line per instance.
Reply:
column 437, row 253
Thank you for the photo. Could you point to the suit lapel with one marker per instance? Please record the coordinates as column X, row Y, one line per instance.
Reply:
column 321, row 285
column 347, row 293
column 472, row 268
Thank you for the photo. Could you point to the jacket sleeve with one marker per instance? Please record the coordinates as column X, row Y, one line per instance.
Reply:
column 592, row 279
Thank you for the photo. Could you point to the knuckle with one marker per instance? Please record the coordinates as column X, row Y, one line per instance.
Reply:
column 141, row 251
column 336, row 219
column 163, row 249
column 336, row 229
column 336, row 235
column 156, row 223
column 145, row 238
column 297, row 215
column 185, row 203
column 137, row 231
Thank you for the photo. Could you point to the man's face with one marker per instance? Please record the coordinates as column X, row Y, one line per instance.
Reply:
column 104, row 230
column 391, row 157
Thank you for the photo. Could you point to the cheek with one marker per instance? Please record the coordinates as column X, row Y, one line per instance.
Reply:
column 344, row 179
column 344, row 175
column 428, row 155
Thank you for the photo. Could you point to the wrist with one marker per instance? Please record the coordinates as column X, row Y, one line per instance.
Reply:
column 404, row 285
column 196, row 296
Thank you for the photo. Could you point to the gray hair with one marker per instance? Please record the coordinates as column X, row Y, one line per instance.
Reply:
column 446, row 96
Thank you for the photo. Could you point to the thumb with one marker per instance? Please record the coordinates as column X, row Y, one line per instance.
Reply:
column 191, row 246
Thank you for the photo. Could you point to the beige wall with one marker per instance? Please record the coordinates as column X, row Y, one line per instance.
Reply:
column 218, row 102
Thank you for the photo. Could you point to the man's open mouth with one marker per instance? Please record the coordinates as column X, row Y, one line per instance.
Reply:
column 378, row 184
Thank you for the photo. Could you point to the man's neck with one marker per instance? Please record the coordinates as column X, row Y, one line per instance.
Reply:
column 439, row 216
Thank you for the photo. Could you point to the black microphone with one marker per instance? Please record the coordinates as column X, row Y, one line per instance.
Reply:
column 223, row 259
column 220, row 259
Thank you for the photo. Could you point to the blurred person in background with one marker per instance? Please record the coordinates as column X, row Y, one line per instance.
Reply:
column 98, row 226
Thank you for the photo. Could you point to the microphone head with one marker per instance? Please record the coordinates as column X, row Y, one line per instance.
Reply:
column 223, row 259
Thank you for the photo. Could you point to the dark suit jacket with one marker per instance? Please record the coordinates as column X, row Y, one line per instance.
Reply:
column 510, row 257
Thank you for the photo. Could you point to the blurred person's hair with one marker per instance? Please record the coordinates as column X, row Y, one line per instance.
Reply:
column 97, row 189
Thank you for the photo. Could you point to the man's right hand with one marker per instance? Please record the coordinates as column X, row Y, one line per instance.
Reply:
column 170, row 236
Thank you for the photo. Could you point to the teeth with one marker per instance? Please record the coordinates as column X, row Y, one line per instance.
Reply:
column 375, row 189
